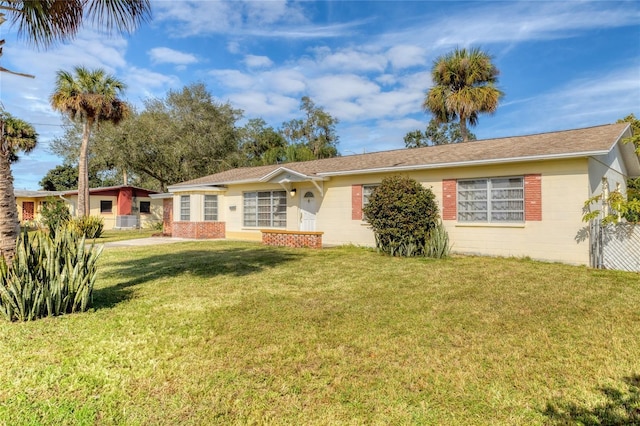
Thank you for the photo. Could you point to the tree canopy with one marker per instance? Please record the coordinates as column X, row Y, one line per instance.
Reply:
column 65, row 177
column 186, row 135
column 316, row 131
column 635, row 130
column 464, row 85
column 436, row 134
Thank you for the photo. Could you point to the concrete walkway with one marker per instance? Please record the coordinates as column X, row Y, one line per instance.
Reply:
column 150, row 241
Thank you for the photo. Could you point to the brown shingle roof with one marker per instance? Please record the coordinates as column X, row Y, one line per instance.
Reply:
column 568, row 143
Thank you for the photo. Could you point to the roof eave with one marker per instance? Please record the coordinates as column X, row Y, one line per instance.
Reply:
column 200, row 186
column 465, row 163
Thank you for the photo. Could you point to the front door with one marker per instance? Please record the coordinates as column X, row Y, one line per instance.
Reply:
column 308, row 209
column 28, row 211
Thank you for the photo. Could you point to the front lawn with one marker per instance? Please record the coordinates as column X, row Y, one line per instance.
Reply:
column 111, row 235
column 225, row 332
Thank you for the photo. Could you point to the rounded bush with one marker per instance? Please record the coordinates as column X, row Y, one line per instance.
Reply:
column 402, row 213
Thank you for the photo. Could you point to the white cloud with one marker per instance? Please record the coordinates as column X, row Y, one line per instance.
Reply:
column 253, row 61
column 271, row 107
column 286, row 81
column 404, row 56
column 341, row 87
column 272, row 19
column 143, row 83
column 595, row 99
column 165, row 55
column 346, row 60
column 233, row 79
column 513, row 22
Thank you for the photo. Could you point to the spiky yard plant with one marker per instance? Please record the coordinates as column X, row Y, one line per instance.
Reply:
column 48, row 277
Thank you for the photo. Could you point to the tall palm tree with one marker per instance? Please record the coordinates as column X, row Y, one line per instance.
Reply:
column 46, row 22
column 464, row 85
column 15, row 136
column 91, row 97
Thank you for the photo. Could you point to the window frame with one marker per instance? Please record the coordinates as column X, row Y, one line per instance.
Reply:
column 254, row 201
column 490, row 191
column 185, row 208
column 104, row 209
column 213, row 217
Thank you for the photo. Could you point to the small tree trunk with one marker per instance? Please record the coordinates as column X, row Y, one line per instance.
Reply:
column 83, row 171
column 463, row 129
column 9, row 223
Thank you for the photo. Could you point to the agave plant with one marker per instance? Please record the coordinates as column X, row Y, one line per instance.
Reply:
column 48, row 277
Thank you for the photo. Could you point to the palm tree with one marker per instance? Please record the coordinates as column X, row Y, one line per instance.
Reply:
column 15, row 135
column 46, row 22
column 464, row 86
column 43, row 23
column 91, row 97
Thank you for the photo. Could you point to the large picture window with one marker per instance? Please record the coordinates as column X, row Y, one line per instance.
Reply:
column 210, row 207
column 491, row 200
column 185, row 208
column 265, row 209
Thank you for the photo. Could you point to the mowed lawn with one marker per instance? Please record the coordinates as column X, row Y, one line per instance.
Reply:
column 237, row 333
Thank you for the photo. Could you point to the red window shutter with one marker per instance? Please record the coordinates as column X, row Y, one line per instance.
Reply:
column 356, row 202
column 533, row 197
column 449, row 199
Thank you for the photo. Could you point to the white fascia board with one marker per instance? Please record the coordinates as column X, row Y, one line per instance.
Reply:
column 466, row 163
column 199, row 187
column 160, row 196
column 281, row 170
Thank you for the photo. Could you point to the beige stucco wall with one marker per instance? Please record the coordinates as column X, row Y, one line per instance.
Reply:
column 145, row 219
column 565, row 187
column 37, row 203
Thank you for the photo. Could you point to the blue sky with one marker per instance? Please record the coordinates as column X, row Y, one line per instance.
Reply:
column 563, row 64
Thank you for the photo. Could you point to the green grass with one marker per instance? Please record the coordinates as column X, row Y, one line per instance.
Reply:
column 112, row 235
column 226, row 332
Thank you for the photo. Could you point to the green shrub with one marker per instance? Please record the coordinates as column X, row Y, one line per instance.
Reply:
column 633, row 194
column 89, row 226
column 48, row 276
column 54, row 214
column 437, row 244
column 402, row 213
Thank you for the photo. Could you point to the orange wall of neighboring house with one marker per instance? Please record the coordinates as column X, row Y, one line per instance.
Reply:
column 125, row 197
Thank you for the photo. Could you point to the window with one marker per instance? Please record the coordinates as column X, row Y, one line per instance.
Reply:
column 145, row 206
column 185, row 207
column 491, row 200
column 106, row 206
column 210, row 207
column 265, row 208
column 367, row 190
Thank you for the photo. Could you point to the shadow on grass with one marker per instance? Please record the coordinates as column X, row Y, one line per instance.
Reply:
column 621, row 408
column 198, row 263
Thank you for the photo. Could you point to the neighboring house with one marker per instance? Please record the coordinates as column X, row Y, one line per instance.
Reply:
column 120, row 206
column 516, row 196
